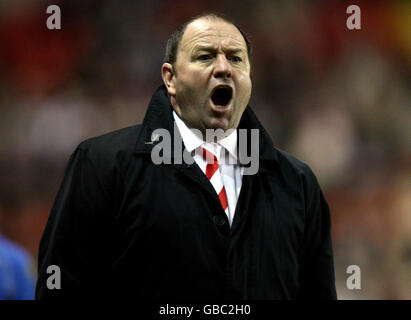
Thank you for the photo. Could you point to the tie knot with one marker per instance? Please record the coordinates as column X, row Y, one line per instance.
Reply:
column 208, row 156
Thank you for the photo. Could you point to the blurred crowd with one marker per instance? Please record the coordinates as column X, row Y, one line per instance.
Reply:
column 338, row 99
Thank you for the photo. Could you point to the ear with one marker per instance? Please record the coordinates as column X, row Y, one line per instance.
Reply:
column 167, row 73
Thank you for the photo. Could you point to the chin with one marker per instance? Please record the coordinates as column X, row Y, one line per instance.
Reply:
column 219, row 123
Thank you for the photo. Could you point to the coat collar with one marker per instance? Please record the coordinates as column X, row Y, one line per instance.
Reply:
column 159, row 116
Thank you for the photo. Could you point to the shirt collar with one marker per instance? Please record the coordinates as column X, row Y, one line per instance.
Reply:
column 192, row 141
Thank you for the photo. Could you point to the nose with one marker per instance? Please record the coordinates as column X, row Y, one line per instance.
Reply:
column 222, row 68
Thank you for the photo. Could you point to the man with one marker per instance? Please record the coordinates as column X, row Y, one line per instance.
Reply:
column 123, row 226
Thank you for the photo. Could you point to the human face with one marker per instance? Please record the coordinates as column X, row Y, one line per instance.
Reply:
column 211, row 85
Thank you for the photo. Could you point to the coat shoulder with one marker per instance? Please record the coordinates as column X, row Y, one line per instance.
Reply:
column 292, row 165
column 111, row 147
column 119, row 140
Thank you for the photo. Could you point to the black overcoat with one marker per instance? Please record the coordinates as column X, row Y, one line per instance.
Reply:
column 122, row 226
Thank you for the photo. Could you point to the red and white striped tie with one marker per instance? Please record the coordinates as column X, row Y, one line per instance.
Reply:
column 213, row 174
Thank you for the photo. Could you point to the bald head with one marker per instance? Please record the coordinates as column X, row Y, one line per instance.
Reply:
column 174, row 41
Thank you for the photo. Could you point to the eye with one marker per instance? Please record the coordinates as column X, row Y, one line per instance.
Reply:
column 235, row 58
column 204, row 57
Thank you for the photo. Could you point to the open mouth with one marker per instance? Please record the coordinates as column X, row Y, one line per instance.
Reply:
column 222, row 96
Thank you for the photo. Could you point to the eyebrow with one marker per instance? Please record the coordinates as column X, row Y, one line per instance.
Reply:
column 214, row 48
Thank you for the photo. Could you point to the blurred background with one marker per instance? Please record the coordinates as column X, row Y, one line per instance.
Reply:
column 338, row 99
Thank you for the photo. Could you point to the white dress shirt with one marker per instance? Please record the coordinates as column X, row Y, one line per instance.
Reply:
column 225, row 151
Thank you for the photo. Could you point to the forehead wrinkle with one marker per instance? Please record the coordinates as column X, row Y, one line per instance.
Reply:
column 223, row 43
column 212, row 36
